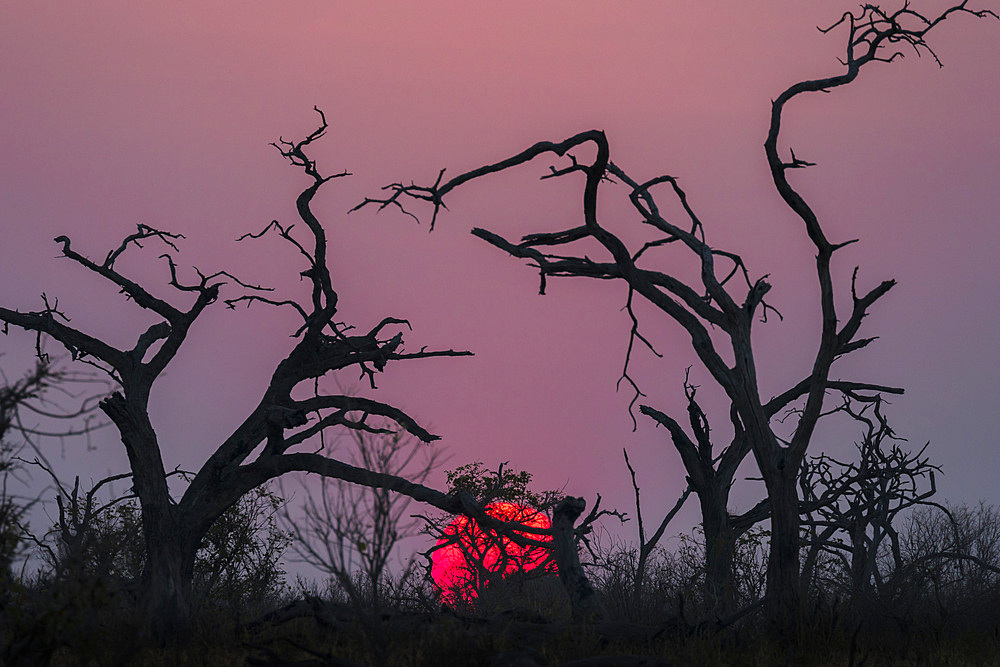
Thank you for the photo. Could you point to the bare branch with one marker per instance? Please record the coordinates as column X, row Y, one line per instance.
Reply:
column 143, row 232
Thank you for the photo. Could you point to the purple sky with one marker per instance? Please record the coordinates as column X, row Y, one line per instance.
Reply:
column 114, row 113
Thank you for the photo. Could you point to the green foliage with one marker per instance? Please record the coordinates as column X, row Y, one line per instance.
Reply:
column 504, row 484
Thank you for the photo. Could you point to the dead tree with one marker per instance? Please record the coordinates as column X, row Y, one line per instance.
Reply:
column 23, row 402
column 350, row 532
column 710, row 477
column 724, row 302
column 947, row 565
column 14, row 397
column 264, row 444
column 268, row 442
column 849, row 508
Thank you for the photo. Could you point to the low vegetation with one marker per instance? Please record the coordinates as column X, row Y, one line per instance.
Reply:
column 935, row 602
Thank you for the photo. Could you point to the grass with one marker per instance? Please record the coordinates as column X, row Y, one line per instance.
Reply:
column 416, row 640
column 526, row 621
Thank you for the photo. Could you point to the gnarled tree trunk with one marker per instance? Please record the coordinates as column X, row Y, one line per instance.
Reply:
column 584, row 601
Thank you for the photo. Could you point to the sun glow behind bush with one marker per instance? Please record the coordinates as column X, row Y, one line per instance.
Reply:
column 468, row 558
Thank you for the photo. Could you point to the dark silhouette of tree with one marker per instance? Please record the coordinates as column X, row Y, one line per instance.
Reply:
column 268, row 442
column 350, row 532
column 503, row 484
column 710, row 476
column 263, row 445
column 725, row 301
column 850, row 508
column 486, row 531
column 13, row 396
column 23, row 402
column 99, row 543
column 46, row 401
column 947, row 565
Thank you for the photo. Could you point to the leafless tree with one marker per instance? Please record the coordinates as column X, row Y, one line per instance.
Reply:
column 345, row 530
column 12, row 396
column 79, row 546
column 947, row 568
column 273, row 438
column 850, row 508
column 710, row 476
column 725, row 301
column 48, row 401
column 24, row 403
column 264, row 444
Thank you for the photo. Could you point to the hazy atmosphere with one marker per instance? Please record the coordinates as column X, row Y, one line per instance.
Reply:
column 116, row 113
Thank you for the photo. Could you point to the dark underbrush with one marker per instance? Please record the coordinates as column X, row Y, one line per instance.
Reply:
column 520, row 623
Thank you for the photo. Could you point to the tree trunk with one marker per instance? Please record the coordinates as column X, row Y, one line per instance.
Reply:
column 165, row 601
column 860, row 574
column 783, row 590
column 720, row 588
column 585, row 604
column 167, row 597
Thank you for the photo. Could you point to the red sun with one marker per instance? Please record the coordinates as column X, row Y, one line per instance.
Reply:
column 468, row 557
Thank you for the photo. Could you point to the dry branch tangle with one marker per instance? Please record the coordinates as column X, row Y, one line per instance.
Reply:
column 715, row 301
column 275, row 426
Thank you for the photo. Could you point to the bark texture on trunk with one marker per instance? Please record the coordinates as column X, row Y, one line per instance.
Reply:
column 783, row 591
column 720, row 588
column 584, row 601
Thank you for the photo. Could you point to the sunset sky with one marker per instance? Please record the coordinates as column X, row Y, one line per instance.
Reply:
column 115, row 113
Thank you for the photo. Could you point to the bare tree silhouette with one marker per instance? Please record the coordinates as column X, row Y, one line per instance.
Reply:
column 269, row 441
column 725, row 301
column 263, row 445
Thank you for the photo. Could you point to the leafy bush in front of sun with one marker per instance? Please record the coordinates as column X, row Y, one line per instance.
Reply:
column 469, row 560
column 502, row 485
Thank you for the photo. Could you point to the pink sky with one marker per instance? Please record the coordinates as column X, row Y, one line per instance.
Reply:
column 113, row 113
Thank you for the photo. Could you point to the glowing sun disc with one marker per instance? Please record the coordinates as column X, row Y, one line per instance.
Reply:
column 457, row 563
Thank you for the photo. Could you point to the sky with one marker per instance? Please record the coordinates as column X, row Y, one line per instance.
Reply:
column 116, row 113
